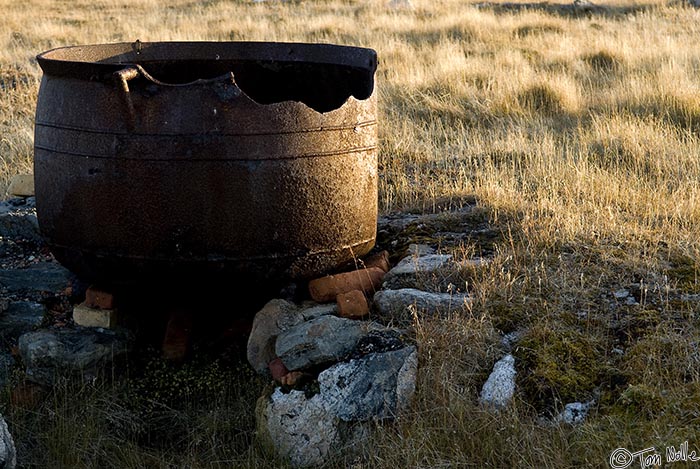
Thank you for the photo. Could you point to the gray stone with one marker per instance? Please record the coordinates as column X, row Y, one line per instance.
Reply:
column 21, row 317
column 621, row 294
column 574, row 413
column 314, row 310
column 413, row 271
column 379, row 385
column 499, row 388
column 275, row 317
column 399, row 305
column 318, row 341
column 8, row 453
column 423, row 268
column 51, row 354
column 36, row 280
column 414, row 265
column 311, row 430
column 406, row 382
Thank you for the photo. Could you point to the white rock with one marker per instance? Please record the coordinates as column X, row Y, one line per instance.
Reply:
column 302, row 430
column 499, row 388
column 8, row 453
column 423, row 265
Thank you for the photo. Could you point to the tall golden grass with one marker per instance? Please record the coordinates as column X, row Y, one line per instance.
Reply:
column 578, row 135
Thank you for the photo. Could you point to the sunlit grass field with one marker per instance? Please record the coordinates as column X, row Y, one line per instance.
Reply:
column 578, row 135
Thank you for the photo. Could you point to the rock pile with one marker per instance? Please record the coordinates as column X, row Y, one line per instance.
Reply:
column 336, row 372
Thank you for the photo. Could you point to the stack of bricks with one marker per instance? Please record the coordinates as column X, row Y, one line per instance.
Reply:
column 97, row 310
column 351, row 290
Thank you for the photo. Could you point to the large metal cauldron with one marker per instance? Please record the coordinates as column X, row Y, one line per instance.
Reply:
column 194, row 158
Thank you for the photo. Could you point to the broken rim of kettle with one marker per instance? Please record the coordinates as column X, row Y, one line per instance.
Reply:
column 322, row 76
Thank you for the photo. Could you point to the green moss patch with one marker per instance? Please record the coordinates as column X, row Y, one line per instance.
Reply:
column 558, row 366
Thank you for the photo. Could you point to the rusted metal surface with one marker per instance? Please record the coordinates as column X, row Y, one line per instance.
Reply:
column 193, row 158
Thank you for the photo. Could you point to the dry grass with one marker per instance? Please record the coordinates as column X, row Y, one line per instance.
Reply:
column 577, row 134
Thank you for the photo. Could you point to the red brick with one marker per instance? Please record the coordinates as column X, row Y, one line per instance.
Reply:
column 327, row 288
column 379, row 259
column 277, row 369
column 99, row 299
column 352, row 305
column 178, row 332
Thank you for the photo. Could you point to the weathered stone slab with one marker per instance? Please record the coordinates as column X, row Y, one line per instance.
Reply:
column 318, row 341
column 51, row 354
column 416, row 271
column 379, row 385
column 400, row 304
column 36, row 280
